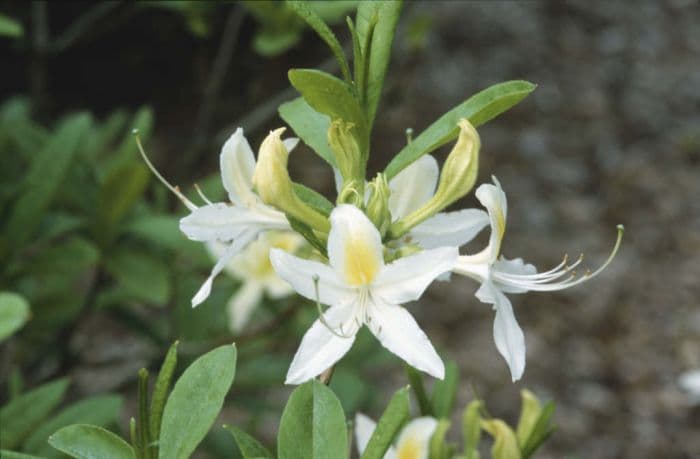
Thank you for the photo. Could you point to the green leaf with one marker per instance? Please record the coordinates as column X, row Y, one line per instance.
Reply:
column 161, row 389
column 415, row 379
column 307, row 232
column 379, row 52
column 316, row 22
column 159, row 229
column 389, row 424
column 540, row 432
column 479, row 109
column 84, row 441
column 314, row 199
column 10, row 27
column 310, row 125
column 101, row 410
column 23, row 414
column 141, row 275
column 6, row 454
column 195, row 402
column 121, row 189
column 14, row 313
column 45, row 175
column 312, row 425
column 328, row 95
column 248, row 446
column 444, row 391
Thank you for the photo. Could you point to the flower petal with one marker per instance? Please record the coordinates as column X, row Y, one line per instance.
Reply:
column 364, row 428
column 398, row 331
column 237, row 163
column 413, row 186
column 450, row 228
column 236, row 246
column 354, row 246
column 508, row 335
column 242, row 304
column 301, row 273
column 222, row 222
column 407, row 278
column 494, row 199
column 321, row 348
column 414, row 440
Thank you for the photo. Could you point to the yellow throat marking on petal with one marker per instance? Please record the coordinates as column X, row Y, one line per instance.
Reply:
column 409, row 449
column 361, row 264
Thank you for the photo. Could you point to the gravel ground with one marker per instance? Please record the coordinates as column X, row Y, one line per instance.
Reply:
column 610, row 136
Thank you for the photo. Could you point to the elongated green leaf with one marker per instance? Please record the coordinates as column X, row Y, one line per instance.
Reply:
column 444, row 391
column 248, row 446
column 328, row 95
column 195, row 402
column 312, row 425
column 161, row 388
column 438, row 447
column 141, row 275
column 379, row 52
column 84, row 441
column 121, row 188
column 389, row 424
column 14, row 313
column 101, row 411
column 310, row 125
column 540, row 432
column 314, row 199
column 10, row 28
column 7, row 454
column 23, row 414
column 415, row 379
column 479, row 109
column 48, row 169
column 316, row 22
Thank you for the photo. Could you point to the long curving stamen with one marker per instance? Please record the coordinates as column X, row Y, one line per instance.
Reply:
column 189, row 204
column 322, row 317
column 202, row 195
column 536, row 284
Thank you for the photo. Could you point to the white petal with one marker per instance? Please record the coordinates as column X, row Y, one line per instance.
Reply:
column 237, row 163
column 238, row 244
column 414, row 440
column 321, row 348
column 690, row 382
column 222, row 222
column 450, row 228
column 515, row 266
column 407, row 278
column 508, row 335
column 277, row 288
column 494, row 199
column 398, row 331
column 290, row 143
column 354, row 246
column 480, row 272
column 364, row 428
column 413, row 186
column 301, row 273
column 242, row 304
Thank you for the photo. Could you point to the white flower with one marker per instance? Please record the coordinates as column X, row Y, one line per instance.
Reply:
column 413, row 441
column 500, row 275
column 253, row 268
column 412, row 188
column 237, row 223
column 690, row 382
column 361, row 289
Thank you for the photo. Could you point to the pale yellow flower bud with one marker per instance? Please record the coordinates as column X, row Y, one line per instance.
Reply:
column 378, row 205
column 272, row 183
column 348, row 158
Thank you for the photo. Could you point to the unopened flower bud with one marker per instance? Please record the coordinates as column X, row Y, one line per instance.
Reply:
column 348, row 158
column 378, row 205
column 457, row 178
column 351, row 194
column 273, row 185
column 505, row 445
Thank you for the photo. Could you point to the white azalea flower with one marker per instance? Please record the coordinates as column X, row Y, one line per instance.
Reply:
column 252, row 267
column 500, row 275
column 237, row 223
column 413, row 441
column 690, row 383
column 361, row 289
column 412, row 188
